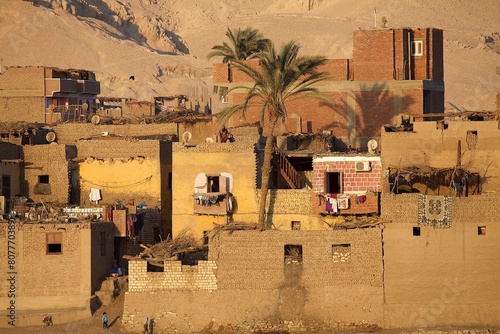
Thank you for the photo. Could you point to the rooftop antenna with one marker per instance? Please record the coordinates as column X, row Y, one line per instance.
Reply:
column 375, row 13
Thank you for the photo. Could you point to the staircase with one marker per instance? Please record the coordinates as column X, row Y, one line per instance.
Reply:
column 287, row 171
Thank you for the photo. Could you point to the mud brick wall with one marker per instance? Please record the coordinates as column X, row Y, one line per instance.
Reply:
column 255, row 260
column 51, row 160
column 290, row 201
column 72, row 132
column 403, row 208
column 175, row 277
column 431, row 274
column 101, row 252
column 118, row 149
column 22, row 96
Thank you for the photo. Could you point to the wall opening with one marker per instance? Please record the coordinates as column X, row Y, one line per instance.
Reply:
column 156, row 234
column 416, row 231
column 156, row 267
column 295, row 225
column 293, row 254
column 341, row 253
column 213, row 184
column 44, row 179
column 333, row 184
column 54, row 243
column 481, row 230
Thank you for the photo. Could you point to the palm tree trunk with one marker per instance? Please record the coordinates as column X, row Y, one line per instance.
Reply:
column 266, row 171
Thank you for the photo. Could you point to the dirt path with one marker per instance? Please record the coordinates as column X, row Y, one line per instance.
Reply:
column 92, row 325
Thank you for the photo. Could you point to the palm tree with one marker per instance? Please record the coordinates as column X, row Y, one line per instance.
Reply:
column 245, row 44
column 279, row 77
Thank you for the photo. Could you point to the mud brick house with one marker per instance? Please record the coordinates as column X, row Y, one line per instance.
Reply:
column 47, row 94
column 441, row 198
column 391, row 72
column 265, row 281
column 223, row 185
column 55, row 270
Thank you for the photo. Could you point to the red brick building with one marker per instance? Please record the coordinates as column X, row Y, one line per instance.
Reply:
column 392, row 72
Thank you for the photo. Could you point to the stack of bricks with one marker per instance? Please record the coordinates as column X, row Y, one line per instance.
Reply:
column 174, row 277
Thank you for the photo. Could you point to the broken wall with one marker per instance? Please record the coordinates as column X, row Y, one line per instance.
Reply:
column 339, row 278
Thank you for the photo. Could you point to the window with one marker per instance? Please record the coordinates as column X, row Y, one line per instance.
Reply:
column 103, row 243
column 481, row 230
column 341, row 253
column 213, row 184
column 224, row 97
column 333, row 183
column 293, row 254
column 417, row 48
column 416, row 231
column 220, row 183
column 44, row 179
column 295, row 226
column 54, row 243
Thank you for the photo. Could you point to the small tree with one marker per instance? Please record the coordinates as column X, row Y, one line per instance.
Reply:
column 279, row 77
column 244, row 44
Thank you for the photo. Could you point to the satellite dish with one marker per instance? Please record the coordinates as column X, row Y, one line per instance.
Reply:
column 50, row 136
column 186, row 137
column 372, row 145
column 209, row 140
column 95, row 119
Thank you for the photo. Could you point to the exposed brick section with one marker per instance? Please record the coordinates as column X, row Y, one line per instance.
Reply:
column 381, row 82
column 175, row 277
column 373, row 52
column 352, row 181
column 338, row 69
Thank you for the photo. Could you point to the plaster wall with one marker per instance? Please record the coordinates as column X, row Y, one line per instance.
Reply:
column 427, row 145
column 444, row 277
column 127, row 170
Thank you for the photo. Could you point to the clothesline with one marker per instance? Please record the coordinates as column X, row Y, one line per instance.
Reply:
column 116, row 186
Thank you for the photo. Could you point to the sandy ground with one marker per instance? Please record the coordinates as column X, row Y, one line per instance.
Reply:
column 91, row 325
column 164, row 43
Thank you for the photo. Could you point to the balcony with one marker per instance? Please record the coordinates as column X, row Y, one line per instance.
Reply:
column 57, row 85
column 90, row 87
column 215, row 204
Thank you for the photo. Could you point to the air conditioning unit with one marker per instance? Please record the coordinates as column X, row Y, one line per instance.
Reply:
column 362, row 166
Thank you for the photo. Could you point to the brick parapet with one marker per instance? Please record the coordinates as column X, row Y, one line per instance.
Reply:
column 174, row 277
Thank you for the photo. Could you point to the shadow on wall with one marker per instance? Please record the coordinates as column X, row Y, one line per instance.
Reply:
column 373, row 108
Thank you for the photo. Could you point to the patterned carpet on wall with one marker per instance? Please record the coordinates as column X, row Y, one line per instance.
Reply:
column 434, row 210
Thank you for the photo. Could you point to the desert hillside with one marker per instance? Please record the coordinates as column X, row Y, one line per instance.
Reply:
column 164, row 43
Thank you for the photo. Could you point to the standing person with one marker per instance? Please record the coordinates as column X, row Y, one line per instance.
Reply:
column 104, row 320
column 145, row 325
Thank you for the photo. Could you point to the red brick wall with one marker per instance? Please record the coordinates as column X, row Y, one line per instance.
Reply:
column 219, row 73
column 373, row 53
column 373, row 110
column 338, row 69
column 352, row 181
column 437, row 56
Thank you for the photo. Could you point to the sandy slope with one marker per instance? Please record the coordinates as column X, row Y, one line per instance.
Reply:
column 164, row 43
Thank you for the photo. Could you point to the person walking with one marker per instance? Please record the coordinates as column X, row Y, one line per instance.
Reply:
column 104, row 320
column 145, row 324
